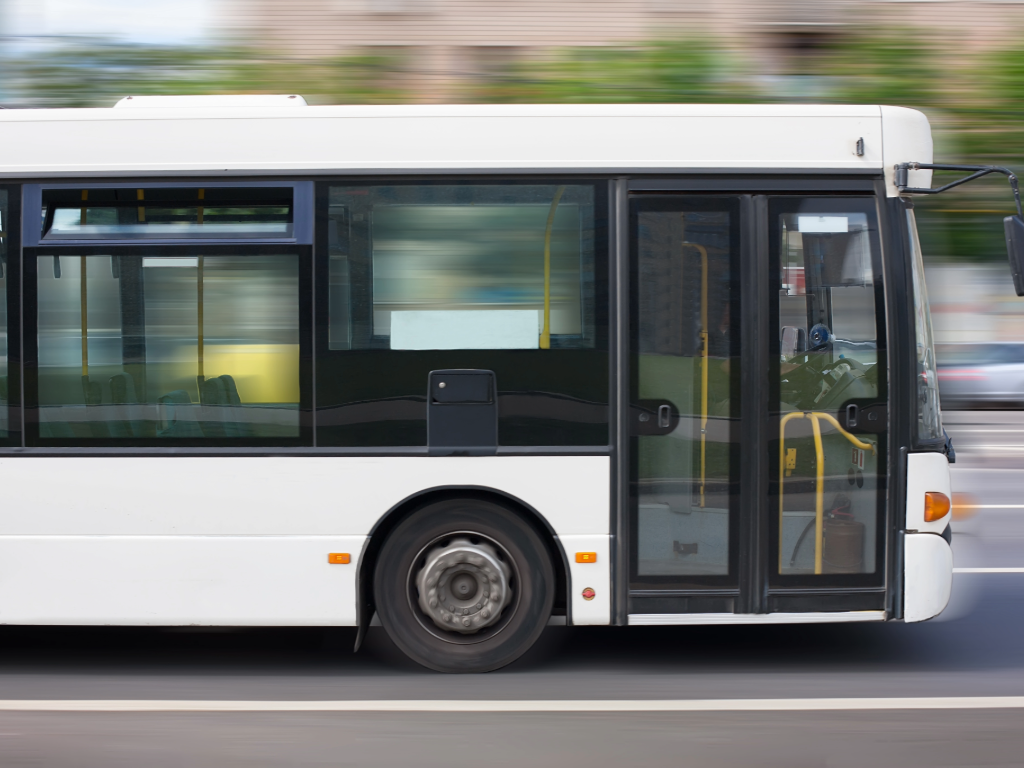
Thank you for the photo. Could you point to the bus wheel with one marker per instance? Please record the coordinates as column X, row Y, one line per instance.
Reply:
column 464, row 585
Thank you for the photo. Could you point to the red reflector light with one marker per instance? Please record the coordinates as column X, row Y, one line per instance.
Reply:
column 936, row 506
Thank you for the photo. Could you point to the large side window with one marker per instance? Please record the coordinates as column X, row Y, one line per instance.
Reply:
column 159, row 347
column 9, row 431
column 509, row 278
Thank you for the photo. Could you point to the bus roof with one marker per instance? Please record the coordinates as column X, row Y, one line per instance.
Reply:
column 206, row 137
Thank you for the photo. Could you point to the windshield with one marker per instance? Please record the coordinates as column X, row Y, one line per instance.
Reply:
column 929, row 417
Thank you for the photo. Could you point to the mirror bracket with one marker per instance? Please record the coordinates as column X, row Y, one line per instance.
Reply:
column 976, row 172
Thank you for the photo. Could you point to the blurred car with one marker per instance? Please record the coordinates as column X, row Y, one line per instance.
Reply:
column 981, row 375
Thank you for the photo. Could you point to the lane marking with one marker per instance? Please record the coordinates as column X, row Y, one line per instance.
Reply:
column 988, row 570
column 983, row 469
column 607, row 705
column 993, row 506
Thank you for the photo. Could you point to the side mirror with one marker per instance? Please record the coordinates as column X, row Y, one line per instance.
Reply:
column 1015, row 249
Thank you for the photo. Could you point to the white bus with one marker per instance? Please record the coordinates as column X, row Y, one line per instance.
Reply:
column 469, row 369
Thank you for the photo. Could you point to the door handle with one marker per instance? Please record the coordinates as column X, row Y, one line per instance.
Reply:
column 851, row 416
column 664, row 417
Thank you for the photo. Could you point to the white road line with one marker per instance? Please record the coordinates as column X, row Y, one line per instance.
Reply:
column 993, row 506
column 988, row 570
column 607, row 705
column 981, row 430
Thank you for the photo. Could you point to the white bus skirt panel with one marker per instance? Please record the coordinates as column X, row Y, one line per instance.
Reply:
column 178, row 580
column 239, row 541
column 928, row 576
column 584, row 576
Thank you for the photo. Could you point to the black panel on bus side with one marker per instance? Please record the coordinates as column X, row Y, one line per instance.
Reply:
column 423, row 276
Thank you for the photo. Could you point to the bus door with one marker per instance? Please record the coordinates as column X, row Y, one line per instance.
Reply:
column 811, row 538
column 685, row 406
column 828, row 407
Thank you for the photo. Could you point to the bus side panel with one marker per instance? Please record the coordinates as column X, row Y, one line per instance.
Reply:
column 929, row 576
column 928, row 559
column 178, row 580
column 245, row 540
column 593, row 573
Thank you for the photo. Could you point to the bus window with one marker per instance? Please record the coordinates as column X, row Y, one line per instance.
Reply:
column 829, row 387
column 166, row 213
column 5, row 223
column 929, row 415
column 503, row 277
column 168, row 348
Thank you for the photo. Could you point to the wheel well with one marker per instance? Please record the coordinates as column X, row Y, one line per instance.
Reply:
column 365, row 605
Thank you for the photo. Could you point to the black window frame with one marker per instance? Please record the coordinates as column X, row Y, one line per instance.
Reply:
column 12, row 268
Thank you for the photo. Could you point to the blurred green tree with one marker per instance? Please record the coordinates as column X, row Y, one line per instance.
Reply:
column 687, row 70
column 98, row 73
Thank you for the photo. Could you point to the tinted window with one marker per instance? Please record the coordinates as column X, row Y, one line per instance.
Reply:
column 5, row 225
column 168, row 348
column 503, row 277
column 183, row 213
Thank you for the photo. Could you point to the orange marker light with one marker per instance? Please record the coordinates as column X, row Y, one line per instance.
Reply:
column 339, row 558
column 586, row 557
column 936, row 506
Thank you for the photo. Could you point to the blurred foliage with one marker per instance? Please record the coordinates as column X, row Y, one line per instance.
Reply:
column 98, row 74
column 686, row 70
column 882, row 66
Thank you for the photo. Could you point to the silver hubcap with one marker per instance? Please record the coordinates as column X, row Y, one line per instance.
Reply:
column 464, row 586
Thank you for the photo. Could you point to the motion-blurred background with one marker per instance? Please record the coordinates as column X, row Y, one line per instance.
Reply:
column 960, row 61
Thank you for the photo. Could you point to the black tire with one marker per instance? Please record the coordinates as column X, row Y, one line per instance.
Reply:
column 520, row 623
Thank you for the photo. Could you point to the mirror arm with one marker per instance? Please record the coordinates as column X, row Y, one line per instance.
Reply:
column 903, row 172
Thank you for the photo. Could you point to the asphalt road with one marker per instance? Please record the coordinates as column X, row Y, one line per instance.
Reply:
column 976, row 649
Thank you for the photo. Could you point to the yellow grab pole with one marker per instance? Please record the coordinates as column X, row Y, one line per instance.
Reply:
column 140, row 196
column 84, row 302
column 782, row 464
column 705, row 352
column 545, row 334
column 819, row 490
column 200, row 210
column 835, row 423
column 199, row 318
column 84, row 294
column 819, row 494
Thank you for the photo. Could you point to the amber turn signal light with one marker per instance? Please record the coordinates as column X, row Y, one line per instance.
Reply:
column 339, row 558
column 936, row 506
column 586, row 557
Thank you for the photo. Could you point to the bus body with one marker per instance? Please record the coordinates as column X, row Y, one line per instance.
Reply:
column 469, row 369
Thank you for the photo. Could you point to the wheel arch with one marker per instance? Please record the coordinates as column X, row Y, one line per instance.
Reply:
column 365, row 605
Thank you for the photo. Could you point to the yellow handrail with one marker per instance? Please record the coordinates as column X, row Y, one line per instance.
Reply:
column 201, row 374
column 545, row 334
column 84, row 303
column 704, row 338
column 819, row 495
column 84, row 293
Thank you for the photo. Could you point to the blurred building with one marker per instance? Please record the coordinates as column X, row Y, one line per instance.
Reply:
column 452, row 44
